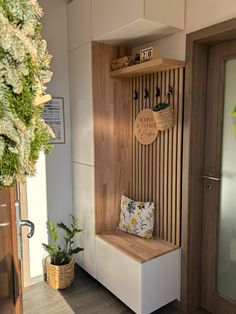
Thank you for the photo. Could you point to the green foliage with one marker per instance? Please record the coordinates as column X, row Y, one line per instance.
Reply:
column 40, row 143
column 8, row 163
column 19, row 11
column 53, row 231
column 58, row 255
column 22, row 104
column 24, row 71
column 160, row 106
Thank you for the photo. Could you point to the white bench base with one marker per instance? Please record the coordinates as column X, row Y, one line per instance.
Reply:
column 143, row 287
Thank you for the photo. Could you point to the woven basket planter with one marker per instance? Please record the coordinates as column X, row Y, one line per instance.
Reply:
column 165, row 118
column 60, row 277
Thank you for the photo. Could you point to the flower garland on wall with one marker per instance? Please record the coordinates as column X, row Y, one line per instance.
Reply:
column 24, row 70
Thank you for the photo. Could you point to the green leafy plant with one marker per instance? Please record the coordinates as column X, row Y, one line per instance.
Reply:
column 160, row 106
column 59, row 255
column 24, row 73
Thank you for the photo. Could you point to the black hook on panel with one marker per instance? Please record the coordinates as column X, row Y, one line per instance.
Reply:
column 146, row 94
column 158, row 92
column 135, row 95
column 170, row 90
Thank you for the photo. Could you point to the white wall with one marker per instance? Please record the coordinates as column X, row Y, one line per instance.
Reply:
column 199, row 14
column 50, row 191
column 58, row 163
column 37, row 213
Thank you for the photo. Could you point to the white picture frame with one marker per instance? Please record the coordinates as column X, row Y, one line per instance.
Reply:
column 54, row 116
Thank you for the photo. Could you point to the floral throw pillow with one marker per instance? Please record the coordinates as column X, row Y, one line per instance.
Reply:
column 137, row 217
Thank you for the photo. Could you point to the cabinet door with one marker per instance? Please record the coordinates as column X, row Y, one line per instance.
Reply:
column 79, row 23
column 83, row 207
column 110, row 15
column 81, row 105
column 166, row 12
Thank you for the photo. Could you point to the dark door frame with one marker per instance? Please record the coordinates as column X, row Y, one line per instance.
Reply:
column 194, row 129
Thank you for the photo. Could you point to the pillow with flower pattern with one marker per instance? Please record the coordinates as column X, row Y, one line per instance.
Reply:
column 137, row 217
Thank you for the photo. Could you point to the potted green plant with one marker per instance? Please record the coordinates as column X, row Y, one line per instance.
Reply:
column 60, row 262
column 163, row 113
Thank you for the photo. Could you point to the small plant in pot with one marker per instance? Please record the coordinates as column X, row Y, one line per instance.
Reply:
column 60, row 262
column 163, row 113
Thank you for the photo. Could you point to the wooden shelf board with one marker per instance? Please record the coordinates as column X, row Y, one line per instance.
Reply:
column 142, row 250
column 147, row 67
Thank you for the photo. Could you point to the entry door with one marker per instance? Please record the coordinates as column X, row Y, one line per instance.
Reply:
column 218, row 290
column 10, row 274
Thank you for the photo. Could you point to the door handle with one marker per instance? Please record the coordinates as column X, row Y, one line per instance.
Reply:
column 29, row 224
column 211, row 178
column 4, row 224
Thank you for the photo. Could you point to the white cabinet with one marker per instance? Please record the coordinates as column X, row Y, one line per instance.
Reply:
column 110, row 15
column 128, row 22
column 83, row 207
column 144, row 287
column 81, row 105
column 80, row 67
column 166, row 12
column 135, row 21
column 119, row 273
column 79, row 23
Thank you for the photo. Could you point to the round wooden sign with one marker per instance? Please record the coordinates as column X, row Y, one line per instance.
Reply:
column 145, row 127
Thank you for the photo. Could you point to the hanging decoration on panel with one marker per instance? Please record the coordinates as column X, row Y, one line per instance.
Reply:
column 24, row 69
column 163, row 113
column 145, row 127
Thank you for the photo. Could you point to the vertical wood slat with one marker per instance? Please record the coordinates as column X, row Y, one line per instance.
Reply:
column 180, row 153
column 170, row 174
column 157, row 167
column 161, row 180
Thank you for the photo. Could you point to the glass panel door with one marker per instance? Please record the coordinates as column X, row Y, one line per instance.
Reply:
column 226, row 272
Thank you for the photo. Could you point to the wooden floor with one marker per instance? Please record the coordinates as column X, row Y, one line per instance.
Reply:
column 85, row 296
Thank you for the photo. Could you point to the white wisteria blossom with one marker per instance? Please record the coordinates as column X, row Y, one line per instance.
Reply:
column 24, row 70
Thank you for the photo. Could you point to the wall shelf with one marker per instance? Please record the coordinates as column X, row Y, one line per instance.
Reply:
column 148, row 67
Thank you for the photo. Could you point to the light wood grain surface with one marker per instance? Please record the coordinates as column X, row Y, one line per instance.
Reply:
column 148, row 67
column 123, row 165
column 157, row 168
column 112, row 132
column 140, row 249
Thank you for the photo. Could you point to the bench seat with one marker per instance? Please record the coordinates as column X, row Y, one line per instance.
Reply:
column 142, row 250
column 144, row 274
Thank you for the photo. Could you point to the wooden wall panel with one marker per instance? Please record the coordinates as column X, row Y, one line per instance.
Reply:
column 113, row 137
column 122, row 164
column 157, row 168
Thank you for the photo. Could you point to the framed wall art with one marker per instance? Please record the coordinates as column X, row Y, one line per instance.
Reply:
column 53, row 115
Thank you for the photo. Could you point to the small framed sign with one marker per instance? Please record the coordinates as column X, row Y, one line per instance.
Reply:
column 53, row 115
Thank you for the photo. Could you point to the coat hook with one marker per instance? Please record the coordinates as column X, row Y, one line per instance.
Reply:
column 170, row 90
column 135, row 95
column 146, row 94
column 158, row 92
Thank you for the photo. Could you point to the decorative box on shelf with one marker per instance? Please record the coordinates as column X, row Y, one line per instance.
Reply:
column 148, row 54
column 121, row 63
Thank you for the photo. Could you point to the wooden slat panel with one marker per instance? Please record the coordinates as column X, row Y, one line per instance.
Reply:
column 122, row 164
column 179, row 154
column 170, row 174
column 161, row 181
column 157, row 168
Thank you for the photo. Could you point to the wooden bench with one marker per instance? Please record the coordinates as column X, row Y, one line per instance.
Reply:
column 144, row 274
